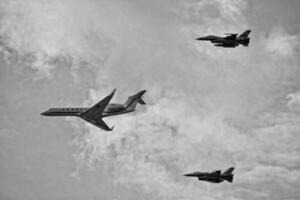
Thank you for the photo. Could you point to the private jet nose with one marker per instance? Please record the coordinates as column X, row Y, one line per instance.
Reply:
column 46, row 113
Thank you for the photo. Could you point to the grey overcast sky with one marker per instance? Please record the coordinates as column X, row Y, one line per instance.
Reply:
column 207, row 108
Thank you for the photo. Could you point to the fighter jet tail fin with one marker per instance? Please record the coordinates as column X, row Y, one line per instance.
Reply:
column 228, row 171
column 245, row 34
column 227, row 175
column 132, row 101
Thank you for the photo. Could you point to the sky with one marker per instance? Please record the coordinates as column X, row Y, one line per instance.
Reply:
column 208, row 108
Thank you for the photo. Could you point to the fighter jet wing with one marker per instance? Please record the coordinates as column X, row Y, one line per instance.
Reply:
column 232, row 45
column 217, row 172
column 215, row 180
column 231, row 36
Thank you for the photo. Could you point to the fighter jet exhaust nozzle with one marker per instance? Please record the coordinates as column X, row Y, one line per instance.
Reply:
column 246, row 42
column 228, row 179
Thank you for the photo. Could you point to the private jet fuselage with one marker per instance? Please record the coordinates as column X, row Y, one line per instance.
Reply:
column 111, row 109
column 100, row 110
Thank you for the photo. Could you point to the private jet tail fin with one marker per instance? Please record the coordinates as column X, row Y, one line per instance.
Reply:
column 245, row 34
column 228, row 171
column 132, row 101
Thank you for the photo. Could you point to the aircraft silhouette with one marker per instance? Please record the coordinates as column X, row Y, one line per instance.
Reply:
column 100, row 110
column 230, row 41
column 215, row 176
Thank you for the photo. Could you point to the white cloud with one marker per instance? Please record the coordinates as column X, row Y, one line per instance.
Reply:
column 204, row 110
column 282, row 43
column 51, row 30
column 8, row 133
column 208, row 108
column 294, row 101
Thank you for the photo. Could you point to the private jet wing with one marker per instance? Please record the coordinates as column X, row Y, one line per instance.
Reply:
column 94, row 114
column 100, row 124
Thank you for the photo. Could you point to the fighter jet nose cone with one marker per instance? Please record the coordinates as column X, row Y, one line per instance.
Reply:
column 143, row 92
column 44, row 113
column 187, row 174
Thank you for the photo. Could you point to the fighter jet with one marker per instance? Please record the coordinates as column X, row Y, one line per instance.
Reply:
column 100, row 110
column 215, row 176
column 230, row 41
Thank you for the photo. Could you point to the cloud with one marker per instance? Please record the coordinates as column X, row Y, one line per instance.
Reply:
column 282, row 43
column 207, row 108
column 204, row 111
column 294, row 101
column 8, row 133
column 47, row 31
